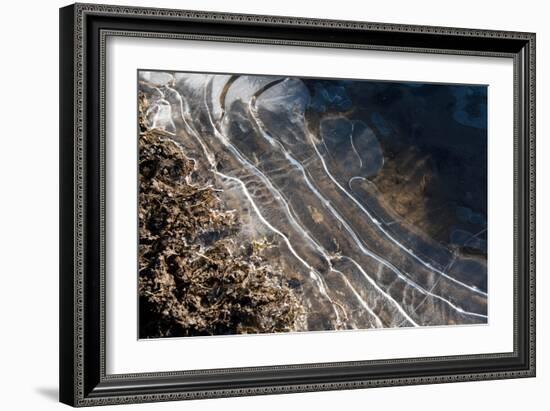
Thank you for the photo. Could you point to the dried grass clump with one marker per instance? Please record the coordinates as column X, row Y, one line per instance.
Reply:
column 194, row 278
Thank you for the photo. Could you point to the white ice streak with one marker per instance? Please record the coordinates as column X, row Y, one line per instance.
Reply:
column 353, row 145
column 312, row 272
column 278, row 197
column 156, row 78
column 355, row 178
column 363, row 303
column 190, row 129
column 245, row 87
column 377, row 287
column 326, row 203
column 162, row 114
column 385, row 232
column 336, row 214
column 315, row 276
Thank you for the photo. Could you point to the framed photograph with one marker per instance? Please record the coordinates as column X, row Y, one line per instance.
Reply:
column 258, row 205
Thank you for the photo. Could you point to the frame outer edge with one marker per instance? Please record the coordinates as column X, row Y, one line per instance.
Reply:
column 279, row 20
column 67, row 221
column 532, row 202
column 72, row 193
column 79, row 36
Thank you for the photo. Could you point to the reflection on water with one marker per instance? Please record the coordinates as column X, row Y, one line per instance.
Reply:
column 351, row 185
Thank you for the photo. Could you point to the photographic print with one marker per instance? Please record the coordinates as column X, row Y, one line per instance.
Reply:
column 256, row 192
column 273, row 204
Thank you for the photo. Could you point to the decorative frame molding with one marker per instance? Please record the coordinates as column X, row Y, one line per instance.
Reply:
column 83, row 32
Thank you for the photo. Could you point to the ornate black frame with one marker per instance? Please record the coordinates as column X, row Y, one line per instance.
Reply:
column 83, row 30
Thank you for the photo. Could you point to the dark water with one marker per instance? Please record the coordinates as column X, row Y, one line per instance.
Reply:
column 373, row 195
